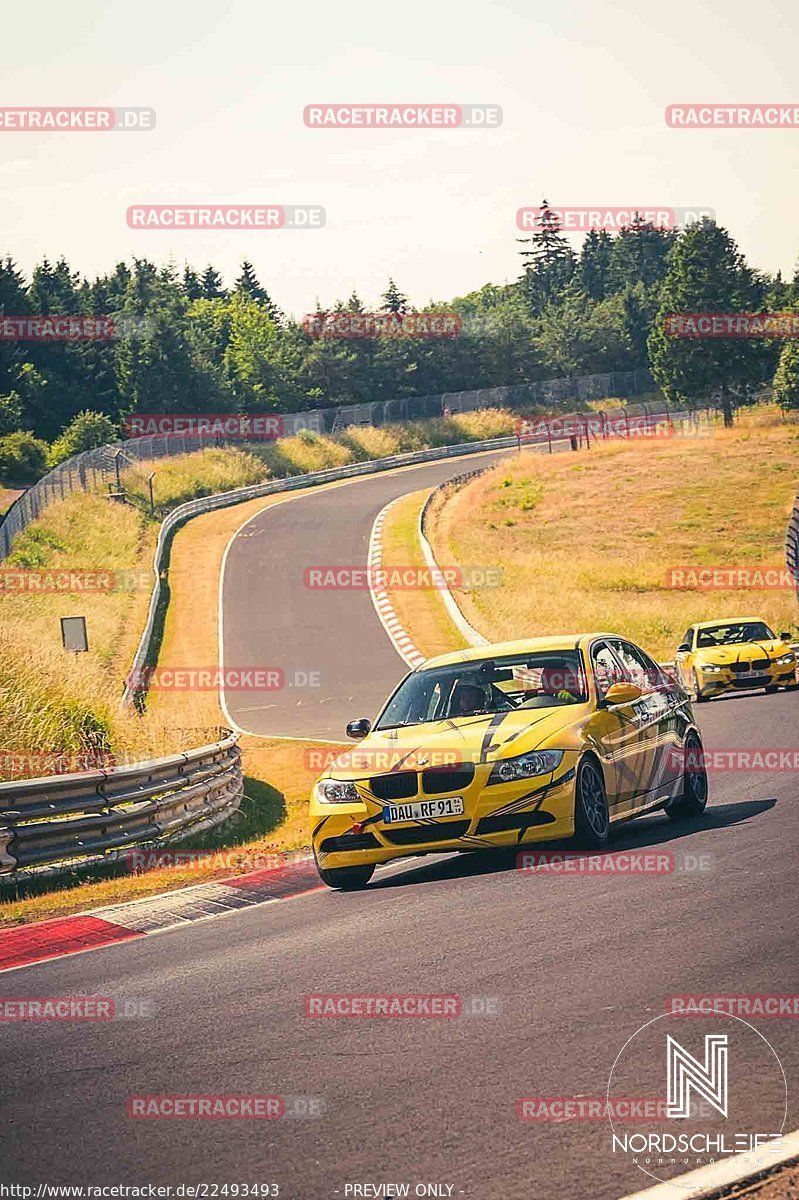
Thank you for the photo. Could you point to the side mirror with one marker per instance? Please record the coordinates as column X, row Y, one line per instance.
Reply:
column 684, row 648
column 786, row 637
column 359, row 729
column 623, row 693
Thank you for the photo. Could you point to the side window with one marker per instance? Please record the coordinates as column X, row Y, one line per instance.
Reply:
column 688, row 637
column 637, row 667
column 606, row 669
column 659, row 678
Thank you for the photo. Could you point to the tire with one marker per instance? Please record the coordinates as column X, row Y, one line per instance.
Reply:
column 771, row 689
column 698, row 697
column 591, row 817
column 692, row 800
column 346, row 879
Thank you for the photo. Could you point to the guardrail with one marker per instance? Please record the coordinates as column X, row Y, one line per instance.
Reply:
column 95, row 816
column 792, row 544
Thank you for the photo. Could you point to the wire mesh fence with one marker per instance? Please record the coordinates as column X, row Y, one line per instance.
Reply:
column 99, row 470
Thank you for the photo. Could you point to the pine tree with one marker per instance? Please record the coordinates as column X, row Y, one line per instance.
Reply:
column 786, row 377
column 211, row 284
column 707, row 274
column 192, row 286
column 593, row 267
column 248, row 285
column 549, row 262
column 393, row 299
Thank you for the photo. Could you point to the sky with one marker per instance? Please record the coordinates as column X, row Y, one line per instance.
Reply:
column 583, row 85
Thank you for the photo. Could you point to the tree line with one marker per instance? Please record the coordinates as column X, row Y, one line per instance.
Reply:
column 184, row 342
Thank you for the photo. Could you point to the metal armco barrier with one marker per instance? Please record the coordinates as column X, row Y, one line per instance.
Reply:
column 70, row 820
column 792, row 544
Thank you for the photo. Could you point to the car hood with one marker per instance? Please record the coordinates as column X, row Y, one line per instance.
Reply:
column 748, row 652
column 467, row 739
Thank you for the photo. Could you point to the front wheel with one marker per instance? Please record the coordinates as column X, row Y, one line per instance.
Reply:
column 698, row 697
column 346, row 879
column 591, row 819
column 692, row 800
column 771, row 689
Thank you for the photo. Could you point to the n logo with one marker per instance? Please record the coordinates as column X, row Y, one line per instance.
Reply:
column 708, row 1080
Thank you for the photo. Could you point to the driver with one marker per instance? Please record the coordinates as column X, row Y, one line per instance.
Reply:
column 467, row 699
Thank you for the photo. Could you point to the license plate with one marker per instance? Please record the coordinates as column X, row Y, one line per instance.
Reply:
column 448, row 806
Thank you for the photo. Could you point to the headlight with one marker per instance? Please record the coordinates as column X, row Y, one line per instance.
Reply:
column 539, row 762
column 336, row 791
column 786, row 659
column 710, row 668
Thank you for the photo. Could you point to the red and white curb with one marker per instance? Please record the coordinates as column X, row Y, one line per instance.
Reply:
column 398, row 635
column 715, row 1179
column 26, row 944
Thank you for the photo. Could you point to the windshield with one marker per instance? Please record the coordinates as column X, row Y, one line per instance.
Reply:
column 486, row 686
column 734, row 634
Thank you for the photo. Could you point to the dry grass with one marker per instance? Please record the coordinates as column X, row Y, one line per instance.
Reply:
column 421, row 612
column 585, row 540
column 188, row 476
column 54, row 702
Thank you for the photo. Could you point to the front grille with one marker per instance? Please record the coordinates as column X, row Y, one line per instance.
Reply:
column 416, row 834
column 742, row 668
column 349, row 841
column 519, row 820
column 447, row 779
column 396, row 786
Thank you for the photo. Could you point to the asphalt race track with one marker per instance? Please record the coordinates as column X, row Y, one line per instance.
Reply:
column 576, row 964
column 272, row 619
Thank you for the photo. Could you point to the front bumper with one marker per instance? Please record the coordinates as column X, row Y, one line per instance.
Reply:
column 532, row 810
column 716, row 682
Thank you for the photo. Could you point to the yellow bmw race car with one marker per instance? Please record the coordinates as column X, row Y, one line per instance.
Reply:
column 733, row 655
column 508, row 745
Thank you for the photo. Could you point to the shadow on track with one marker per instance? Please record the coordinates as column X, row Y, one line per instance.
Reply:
column 638, row 834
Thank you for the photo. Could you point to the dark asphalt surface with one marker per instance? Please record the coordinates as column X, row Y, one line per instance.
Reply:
column 577, row 965
column 271, row 619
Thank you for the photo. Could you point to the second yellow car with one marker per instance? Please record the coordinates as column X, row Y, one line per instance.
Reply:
column 734, row 655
